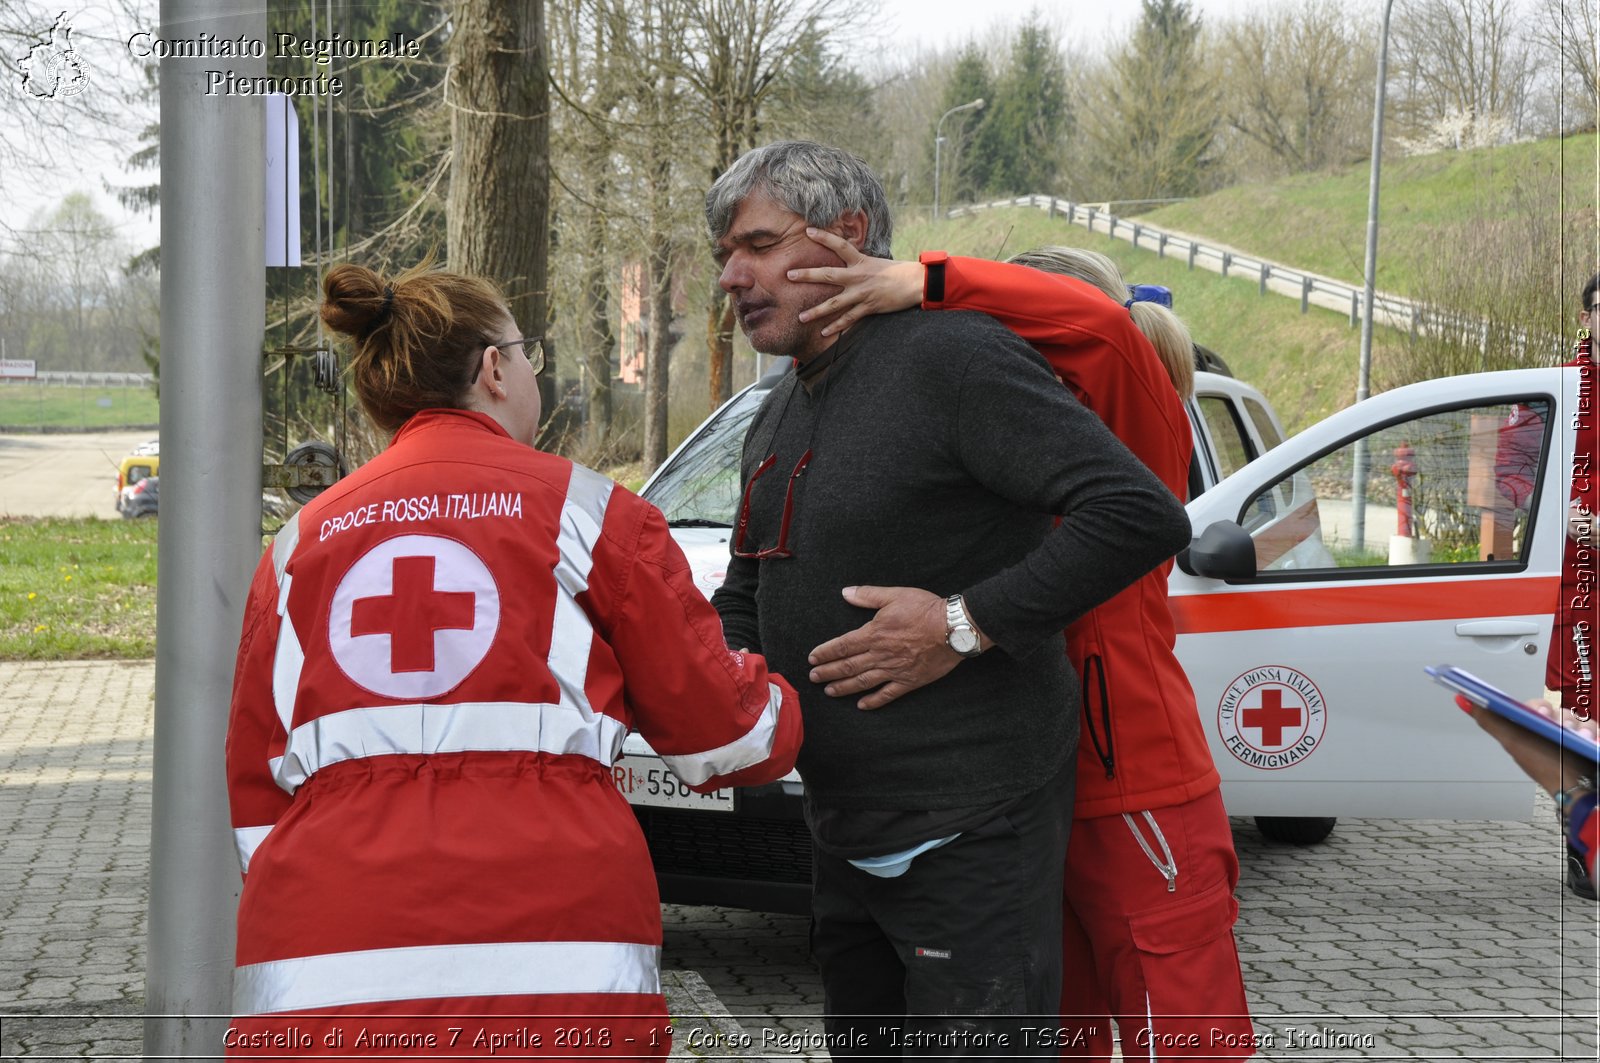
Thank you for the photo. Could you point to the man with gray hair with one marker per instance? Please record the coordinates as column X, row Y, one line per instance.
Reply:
column 906, row 480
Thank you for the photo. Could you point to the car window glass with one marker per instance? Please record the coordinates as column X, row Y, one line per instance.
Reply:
column 137, row 473
column 1233, row 447
column 702, row 482
column 1453, row 487
column 1263, row 421
column 1268, row 434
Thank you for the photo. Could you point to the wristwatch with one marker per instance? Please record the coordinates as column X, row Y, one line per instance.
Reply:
column 959, row 633
column 933, row 263
column 1571, row 795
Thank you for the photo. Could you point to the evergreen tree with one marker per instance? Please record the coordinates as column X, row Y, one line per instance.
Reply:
column 819, row 97
column 967, row 158
column 1030, row 119
column 146, row 158
column 146, row 264
column 372, row 167
column 389, row 135
column 1156, row 121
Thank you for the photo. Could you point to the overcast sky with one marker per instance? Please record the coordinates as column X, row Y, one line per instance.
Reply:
column 936, row 23
column 63, row 164
column 100, row 27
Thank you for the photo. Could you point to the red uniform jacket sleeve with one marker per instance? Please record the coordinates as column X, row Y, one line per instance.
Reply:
column 1094, row 347
column 255, row 734
column 716, row 716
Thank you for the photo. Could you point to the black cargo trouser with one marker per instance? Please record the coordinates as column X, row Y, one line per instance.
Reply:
column 961, row 955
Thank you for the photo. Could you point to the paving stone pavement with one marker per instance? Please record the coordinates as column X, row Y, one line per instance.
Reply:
column 1394, row 939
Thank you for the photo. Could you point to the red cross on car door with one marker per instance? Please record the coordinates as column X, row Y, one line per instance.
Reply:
column 1422, row 526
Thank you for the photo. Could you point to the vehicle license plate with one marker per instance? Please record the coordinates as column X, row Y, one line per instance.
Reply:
column 647, row 781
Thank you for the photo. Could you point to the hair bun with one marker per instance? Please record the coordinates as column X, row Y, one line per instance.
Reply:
column 355, row 300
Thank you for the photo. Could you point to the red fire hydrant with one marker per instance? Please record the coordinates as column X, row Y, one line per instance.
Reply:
column 1405, row 470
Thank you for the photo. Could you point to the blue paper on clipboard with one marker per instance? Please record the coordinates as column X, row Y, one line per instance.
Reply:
column 1491, row 697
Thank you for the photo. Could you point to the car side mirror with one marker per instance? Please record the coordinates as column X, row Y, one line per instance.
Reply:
column 1223, row 551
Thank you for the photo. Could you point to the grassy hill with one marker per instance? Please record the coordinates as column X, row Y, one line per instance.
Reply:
column 1431, row 207
column 1426, row 202
column 1306, row 364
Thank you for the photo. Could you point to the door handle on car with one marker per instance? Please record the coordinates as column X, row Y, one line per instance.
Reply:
column 1477, row 629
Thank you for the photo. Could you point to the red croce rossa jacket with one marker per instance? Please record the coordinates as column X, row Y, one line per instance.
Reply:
column 1141, row 744
column 441, row 657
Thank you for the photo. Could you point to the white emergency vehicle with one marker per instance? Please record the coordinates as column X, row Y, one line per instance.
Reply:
column 1422, row 526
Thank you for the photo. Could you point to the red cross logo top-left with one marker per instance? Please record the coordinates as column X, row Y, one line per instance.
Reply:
column 414, row 616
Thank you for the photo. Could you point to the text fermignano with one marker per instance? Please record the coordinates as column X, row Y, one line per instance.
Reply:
column 321, row 50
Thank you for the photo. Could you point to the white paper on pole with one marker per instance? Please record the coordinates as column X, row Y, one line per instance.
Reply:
column 283, row 181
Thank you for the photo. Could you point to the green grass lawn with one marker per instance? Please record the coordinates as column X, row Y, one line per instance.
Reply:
column 1318, row 222
column 1306, row 364
column 53, row 406
column 75, row 589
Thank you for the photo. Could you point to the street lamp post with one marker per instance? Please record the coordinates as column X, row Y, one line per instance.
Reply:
column 938, row 142
column 1358, row 517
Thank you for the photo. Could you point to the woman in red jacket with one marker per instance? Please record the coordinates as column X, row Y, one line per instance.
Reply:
column 441, row 657
column 1149, row 907
column 1566, row 776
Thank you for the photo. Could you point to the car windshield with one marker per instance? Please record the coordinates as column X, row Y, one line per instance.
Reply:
column 700, row 487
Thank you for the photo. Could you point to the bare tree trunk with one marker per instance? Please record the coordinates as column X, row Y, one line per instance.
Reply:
column 729, row 120
column 660, row 350
column 746, row 43
column 598, row 339
column 719, row 345
column 497, row 213
column 662, row 30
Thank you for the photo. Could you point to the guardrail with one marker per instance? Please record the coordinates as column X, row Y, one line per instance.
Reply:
column 83, row 380
column 1312, row 289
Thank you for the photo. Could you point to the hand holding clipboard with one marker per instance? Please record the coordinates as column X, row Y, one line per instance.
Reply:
column 1556, row 749
column 1552, row 725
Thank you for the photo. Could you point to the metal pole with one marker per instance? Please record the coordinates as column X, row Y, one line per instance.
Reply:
column 938, row 141
column 1358, row 486
column 213, row 306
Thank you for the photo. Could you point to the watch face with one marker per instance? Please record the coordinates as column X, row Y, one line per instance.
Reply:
column 963, row 640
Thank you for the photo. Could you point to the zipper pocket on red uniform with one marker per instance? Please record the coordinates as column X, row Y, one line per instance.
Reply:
column 1095, row 666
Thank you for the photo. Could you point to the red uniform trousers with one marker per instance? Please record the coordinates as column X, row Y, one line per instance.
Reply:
column 1161, row 963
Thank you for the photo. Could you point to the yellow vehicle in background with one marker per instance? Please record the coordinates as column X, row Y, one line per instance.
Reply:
column 144, row 462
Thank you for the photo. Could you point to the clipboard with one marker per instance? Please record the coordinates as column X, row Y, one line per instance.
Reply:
column 1499, row 702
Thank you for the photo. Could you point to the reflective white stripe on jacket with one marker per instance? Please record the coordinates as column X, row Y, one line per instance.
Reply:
column 470, row 726
column 246, row 840
column 513, row 968
column 754, row 746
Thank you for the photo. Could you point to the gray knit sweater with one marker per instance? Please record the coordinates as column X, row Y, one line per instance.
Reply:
column 942, row 447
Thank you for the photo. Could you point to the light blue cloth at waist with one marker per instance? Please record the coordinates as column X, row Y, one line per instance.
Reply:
column 895, row 864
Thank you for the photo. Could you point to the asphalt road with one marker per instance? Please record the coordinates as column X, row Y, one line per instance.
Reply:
column 63, row 475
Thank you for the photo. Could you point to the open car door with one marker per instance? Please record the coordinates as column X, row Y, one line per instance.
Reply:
column 1423, row 526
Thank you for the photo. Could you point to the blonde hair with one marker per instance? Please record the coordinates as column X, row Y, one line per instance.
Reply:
column 417, row 337
column 1165, row 331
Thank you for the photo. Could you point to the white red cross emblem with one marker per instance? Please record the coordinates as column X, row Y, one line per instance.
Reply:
column 414, row 616
column 1272, row 717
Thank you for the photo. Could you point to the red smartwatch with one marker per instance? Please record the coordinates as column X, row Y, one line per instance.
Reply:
column 933, row 263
